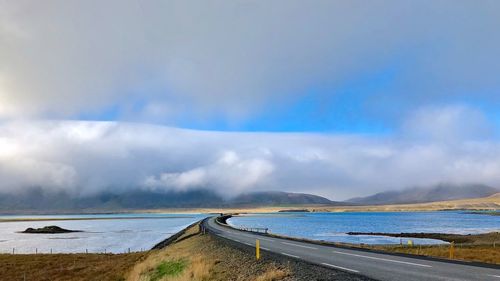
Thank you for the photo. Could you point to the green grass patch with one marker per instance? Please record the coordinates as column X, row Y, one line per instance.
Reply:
column 168, row 268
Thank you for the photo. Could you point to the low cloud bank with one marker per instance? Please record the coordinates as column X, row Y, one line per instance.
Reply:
column 85, row 158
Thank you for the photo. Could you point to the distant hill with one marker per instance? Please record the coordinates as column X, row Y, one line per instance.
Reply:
column 278, row 198
column 441, row 192
column 36, row 200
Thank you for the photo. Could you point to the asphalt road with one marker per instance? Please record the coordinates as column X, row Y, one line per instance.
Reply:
column 374, row 265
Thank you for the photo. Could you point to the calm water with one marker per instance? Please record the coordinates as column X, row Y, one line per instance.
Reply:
column 333, row 226
column 116, row 235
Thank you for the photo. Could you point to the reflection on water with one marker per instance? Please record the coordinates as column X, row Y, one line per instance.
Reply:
column 334, row 226
column 101, row 233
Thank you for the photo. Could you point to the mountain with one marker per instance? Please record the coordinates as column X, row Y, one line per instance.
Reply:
column 270, row 198
column 440, row 192
column 37, row 200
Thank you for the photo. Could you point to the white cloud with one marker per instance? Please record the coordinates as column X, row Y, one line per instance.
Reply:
column 229, row 174
column 449, row 123
column 89, row 157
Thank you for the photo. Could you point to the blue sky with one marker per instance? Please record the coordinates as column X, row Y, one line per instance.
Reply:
column 330, row 66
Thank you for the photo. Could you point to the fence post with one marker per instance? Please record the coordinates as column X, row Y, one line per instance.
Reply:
column 257, row 249
column 13, row 250
column 452, row 249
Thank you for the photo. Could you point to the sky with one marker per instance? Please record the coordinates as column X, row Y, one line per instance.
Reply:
column 336, row 98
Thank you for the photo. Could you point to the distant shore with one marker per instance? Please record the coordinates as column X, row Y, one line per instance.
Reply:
column 83, row 219
column 488, row 205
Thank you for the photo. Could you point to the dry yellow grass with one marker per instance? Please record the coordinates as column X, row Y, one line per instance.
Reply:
column 273, row 274
column 486, row 254
column 67, row 267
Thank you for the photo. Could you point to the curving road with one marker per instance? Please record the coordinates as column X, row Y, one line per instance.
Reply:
column 374, row 265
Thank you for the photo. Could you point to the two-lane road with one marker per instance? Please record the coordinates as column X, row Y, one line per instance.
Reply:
column 374, row 265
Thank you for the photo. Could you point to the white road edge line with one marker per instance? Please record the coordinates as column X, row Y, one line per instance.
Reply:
column 254, row 237
column 265, row 249
column 247, row 244
column 340, row 267
column 266, row 239
column 297, row 245
column 293, row 256
column 382, row 259
column 497, row 276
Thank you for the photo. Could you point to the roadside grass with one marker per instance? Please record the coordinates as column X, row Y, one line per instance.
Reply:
column 168, row 268
column 478, row 253
column 273, row 274
column 473, row 247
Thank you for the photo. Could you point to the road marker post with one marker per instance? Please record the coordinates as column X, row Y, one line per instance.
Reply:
column 257, row 249
column 452, row 249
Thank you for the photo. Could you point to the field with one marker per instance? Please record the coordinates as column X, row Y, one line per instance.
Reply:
column 479, row 247
column 478, row 253
column 69, row 267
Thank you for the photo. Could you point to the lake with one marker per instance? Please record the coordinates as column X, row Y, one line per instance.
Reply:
column 100, row 232
column 334, row 226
